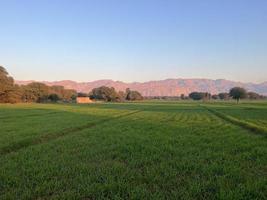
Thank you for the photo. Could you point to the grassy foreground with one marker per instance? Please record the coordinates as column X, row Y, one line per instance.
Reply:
column 146, row 150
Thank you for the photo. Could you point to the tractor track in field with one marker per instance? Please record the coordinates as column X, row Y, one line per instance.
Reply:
column 242, row 124
column 52, row 136
column 29, row 115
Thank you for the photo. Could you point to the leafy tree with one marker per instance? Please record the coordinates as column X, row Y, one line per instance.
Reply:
column 215, row 96
column 110, row 94
column 122, row 95
column 39, row 92
column 196, row 95
column 104, row 93
column 200, row 95
column 206, row 95
column 81, row 94
column 35, row 92
column 64, row 94
column 15, row 96
column 253, row 95
column 58, row 90
column 54, row 97
column 6, row 85
column 238, row 93
column 69, row 95
column 223, row 95
column 133, row 95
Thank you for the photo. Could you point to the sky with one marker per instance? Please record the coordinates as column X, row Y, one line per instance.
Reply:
column 134, row 40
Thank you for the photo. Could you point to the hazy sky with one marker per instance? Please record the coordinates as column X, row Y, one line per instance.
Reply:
column 134, row 40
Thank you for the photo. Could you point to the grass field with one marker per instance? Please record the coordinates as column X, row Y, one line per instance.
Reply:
column 145, row 150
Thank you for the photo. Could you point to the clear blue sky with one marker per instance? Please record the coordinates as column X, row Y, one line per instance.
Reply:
column 134, row 40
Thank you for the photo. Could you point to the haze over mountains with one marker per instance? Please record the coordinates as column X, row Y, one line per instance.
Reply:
column 168, row 87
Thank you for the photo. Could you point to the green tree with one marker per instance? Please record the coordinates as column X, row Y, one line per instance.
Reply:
column 215, row 96
column 196, row 95
column 81, row 94
column 206, row 95
column 54, row 97
column 63, row 94
column 15, row 96
column 238, row 93
column 58, row 90
column 69, row 95
column 200, row 96
column 122, row 95
column 104, row 93
column 253, row 95
column 223, row 95
column 6, row 85
column 35, row 92
column 132, row 95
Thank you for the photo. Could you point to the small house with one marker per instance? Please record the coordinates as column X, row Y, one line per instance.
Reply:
column 83, row 100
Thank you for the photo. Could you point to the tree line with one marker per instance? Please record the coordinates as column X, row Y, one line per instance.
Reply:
column 236, row 93
column 40, row 93
column 109, row 94
column 33, row 92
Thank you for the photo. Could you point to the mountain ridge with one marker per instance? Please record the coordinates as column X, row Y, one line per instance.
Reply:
column 166, row 87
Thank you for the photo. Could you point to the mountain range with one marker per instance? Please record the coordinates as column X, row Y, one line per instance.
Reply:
column 168, row 87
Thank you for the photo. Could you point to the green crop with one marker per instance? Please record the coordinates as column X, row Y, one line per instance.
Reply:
column 144, row 150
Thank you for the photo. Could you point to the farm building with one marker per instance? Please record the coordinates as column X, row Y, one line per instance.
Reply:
column 83, row 100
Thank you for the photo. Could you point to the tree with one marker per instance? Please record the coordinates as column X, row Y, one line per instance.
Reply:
column 35, row 92
column 253, row 95
column 223, row 95
column 215, row 96
column 39, row 92
column 6, row 85
column 104, row 93
column 205, row 95
column 109, row 94
column 196, row 95
column 69, row 95
column 54, row 97
column 62, row 93
column 200, row 96
column 133, row 95
column 122, row 95
column 81, row 94
column 58, row 90
column 238, row 93
column 15, row 95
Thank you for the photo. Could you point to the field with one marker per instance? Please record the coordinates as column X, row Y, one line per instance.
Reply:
column 145, row 150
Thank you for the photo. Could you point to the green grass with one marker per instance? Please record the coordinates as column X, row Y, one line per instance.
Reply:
column 145, row 150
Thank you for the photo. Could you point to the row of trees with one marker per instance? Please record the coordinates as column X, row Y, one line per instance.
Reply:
column 236, row 93
column 33, row 92
column 39, row 92
column 104, row 93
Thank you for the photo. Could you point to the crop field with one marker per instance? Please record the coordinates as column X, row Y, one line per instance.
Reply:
column 144, row 150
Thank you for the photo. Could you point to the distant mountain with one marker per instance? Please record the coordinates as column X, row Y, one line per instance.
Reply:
column 168, row 87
